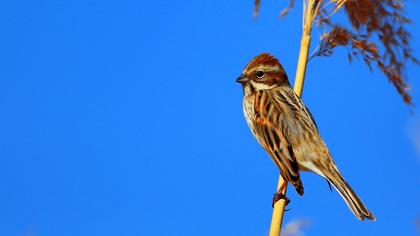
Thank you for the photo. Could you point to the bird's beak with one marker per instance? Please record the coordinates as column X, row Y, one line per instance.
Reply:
column 242, row 79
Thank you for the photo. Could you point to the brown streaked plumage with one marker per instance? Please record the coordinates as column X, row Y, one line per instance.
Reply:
column 287, row 131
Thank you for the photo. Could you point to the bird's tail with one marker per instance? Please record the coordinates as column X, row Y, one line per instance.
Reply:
column 350, row 197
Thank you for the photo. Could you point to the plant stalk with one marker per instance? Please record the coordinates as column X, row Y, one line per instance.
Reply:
column 309, row 14
column 278, row 211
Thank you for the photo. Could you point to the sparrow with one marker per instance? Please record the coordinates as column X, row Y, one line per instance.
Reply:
column 286, row 129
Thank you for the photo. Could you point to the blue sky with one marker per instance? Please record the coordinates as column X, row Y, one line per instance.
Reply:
column 123, row 118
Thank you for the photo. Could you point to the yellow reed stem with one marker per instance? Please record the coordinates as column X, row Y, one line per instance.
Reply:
column 310, row 10
column 302, row 62
column 278, row 211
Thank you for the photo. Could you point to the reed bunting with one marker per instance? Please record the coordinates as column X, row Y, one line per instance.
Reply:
column 285, row 128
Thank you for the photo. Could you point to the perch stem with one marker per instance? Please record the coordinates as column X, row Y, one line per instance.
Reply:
column 311, row 8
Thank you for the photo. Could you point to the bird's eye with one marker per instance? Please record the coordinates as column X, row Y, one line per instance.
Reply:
column 260, row 74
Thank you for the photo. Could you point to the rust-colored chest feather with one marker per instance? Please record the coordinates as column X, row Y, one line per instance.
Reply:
column 257, row 109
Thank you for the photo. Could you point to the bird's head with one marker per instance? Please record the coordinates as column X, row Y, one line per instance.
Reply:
column 263, row 72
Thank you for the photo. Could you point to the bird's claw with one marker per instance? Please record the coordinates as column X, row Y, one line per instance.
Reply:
column 277, row 196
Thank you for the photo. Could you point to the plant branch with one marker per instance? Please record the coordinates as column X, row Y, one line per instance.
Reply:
column 310, row 11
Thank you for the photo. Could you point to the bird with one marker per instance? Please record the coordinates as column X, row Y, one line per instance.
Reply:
column 287, row 131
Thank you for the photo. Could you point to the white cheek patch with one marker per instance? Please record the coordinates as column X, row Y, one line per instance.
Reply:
column 261, row 86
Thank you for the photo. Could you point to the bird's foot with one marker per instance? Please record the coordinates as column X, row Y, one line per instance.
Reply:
column 279, row 195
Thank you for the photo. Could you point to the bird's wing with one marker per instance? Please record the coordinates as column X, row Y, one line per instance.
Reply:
column 301, row 131
column 273, row 140
column 298, row 110
column 310, row 115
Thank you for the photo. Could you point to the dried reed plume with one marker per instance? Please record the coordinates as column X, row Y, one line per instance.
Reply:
column 377, row 36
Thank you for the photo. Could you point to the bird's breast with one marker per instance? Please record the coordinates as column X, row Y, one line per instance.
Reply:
column 248, row 108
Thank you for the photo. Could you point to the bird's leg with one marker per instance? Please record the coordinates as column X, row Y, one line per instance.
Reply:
column 279, row 195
